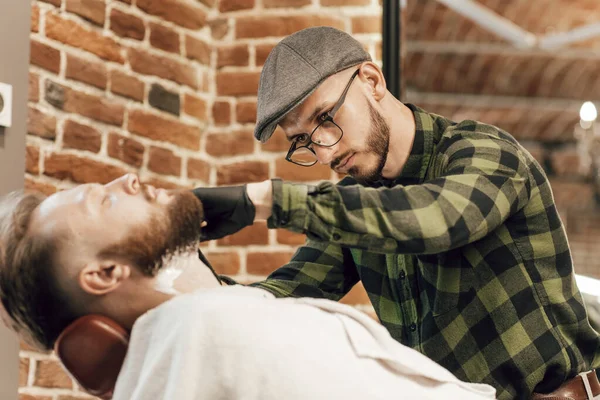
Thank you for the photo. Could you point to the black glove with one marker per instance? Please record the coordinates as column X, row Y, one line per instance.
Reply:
column 227, row 209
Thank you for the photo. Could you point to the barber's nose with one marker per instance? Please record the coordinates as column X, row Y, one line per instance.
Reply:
column 129, row 183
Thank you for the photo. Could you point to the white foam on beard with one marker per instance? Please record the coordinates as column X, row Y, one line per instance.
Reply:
column 173, row 267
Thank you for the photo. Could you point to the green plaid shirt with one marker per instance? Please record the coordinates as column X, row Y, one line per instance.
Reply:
column 463, row 256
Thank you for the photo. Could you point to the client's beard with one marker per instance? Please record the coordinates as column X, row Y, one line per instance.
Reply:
column 176, row 232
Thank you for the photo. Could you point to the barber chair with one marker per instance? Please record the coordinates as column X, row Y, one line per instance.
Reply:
column 92, row 349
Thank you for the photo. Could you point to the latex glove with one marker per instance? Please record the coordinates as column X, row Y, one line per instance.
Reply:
column 227, row 209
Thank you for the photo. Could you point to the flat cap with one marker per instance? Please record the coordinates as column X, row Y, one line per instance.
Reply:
column 296, row 67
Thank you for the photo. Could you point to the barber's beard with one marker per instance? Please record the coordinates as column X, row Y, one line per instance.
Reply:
column 173, row 233
column 378, row 144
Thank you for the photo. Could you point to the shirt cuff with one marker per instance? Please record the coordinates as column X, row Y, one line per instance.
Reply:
column 289, row 206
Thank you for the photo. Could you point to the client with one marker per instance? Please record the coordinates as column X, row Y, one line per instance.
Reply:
column 128, row 252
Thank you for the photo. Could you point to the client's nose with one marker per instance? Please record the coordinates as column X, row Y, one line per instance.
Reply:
column 129, row 183
column 132, row 183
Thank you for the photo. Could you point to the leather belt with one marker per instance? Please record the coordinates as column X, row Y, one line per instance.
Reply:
column 584, row 386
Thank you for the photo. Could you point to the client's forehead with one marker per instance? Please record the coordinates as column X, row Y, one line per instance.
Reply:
column 55, row 208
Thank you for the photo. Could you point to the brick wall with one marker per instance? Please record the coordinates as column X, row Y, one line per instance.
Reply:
column 167, row 89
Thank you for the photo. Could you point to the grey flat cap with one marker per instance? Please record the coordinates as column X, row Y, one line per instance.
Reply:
column 296, row 67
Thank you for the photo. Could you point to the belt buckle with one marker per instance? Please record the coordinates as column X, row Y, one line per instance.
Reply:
column 586, row 384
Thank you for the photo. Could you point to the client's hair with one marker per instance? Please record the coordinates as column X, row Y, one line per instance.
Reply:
column 28, row 267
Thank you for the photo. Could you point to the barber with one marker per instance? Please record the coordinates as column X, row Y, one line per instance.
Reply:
column 450, row 226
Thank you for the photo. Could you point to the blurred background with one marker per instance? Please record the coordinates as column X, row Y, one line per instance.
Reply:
column 167, row 89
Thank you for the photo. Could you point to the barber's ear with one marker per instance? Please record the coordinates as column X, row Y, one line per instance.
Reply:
column 103, row 277
column 373, row 75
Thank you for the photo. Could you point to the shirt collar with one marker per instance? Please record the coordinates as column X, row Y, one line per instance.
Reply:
column 415, row 169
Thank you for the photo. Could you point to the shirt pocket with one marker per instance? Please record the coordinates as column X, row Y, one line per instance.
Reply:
column 447, row 281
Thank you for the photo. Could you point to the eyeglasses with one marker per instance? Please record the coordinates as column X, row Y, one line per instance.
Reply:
column 326, row 134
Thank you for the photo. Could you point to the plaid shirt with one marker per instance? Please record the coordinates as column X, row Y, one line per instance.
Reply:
column 463, row 256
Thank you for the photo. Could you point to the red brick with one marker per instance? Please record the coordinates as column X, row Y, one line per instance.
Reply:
column 235, row 55
column 157, row 127
column 219, row 27
column 126, row 85
column 41, row 124
column 92, row 10
column 35, row 18
column 230, row 143
column 26, row 347
column 224, row 263
column 242, row 172
column 567, row 162
column 286, row 3
column 262, row 52
column 290, row 171
column 570, row 195
column 356, row 295
column 246, row 111
column 23, row 396
column 177, row 11
column 502, row 74
column 366, row 24
column 277, row 142
column 33, row 94
column 197, row 49
column 279, row 26
column 264, row 263
column 286, row 237
column 163, row 161
column 536, row 150
column 23, row 371
column 80, row 169
column 50, row 374
column 231, row 83
column 221, row 112
column 198, row 169
column 88, row 105
column 32, row 158
column 44, row 56
column 165, row 67
column 127, row 25
column 81, row 137
column 126, row 149
column 163, row 184
column 87, row 71
column 253, row 234
column 235, row 5
column 76, row 35
column 164, row 38
column 195, row 106
column 41, row 187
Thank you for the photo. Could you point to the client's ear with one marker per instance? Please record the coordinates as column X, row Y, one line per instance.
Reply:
column 101, row 277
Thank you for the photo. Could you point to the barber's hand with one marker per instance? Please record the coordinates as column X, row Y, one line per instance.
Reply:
column 227, row 209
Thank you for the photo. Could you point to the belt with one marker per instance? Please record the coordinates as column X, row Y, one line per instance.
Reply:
column 584, row 386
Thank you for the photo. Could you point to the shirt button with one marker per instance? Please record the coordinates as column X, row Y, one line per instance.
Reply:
column 336, row 236
column 402, row 274
column 413, row 327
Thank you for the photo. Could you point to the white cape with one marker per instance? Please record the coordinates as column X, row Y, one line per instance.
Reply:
column 242, row 343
